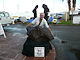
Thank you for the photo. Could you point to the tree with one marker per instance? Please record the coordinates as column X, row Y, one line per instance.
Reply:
column 69, row 4
column 74, row 4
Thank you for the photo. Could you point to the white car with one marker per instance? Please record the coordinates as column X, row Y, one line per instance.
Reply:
column 23, row 19
column 5, row 18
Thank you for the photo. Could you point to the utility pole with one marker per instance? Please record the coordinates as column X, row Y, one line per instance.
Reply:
column 66, row 15
column 72, row 10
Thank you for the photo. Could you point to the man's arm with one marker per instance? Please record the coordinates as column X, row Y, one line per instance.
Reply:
column 33, row 22
column 29, row 24
column 49, row 29
column 46, row 24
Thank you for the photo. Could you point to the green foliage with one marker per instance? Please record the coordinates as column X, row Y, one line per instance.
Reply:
column 69, row 22
column 65, row 22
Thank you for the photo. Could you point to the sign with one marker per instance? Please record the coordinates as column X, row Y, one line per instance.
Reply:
column 39, row 52
column 74, row 12
column 2, row 31
column 72, row 9
column 76, row 19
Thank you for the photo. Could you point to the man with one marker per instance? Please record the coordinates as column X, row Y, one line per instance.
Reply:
column 38, row 20
column 28, row 47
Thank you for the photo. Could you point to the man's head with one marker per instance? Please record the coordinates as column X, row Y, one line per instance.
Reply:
column 42, row 15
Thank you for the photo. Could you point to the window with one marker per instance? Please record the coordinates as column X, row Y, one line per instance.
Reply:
column 6, row 14
column 1, row 15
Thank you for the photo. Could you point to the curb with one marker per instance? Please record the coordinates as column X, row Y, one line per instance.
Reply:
column 64, row 25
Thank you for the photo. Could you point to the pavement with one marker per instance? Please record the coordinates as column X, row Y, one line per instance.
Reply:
column 11, row 47
column 67, row 42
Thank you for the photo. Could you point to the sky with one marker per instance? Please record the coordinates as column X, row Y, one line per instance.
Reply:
column 25, row 7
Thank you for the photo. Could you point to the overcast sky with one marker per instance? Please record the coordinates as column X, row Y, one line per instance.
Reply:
column 25, row 7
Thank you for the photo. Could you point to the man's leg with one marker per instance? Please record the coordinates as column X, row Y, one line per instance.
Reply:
column 35, row 12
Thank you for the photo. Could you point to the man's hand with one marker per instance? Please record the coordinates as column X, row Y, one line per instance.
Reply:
column 29, row 24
